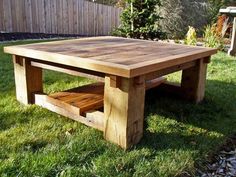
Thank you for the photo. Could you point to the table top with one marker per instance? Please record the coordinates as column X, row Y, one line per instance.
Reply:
column 112, row 55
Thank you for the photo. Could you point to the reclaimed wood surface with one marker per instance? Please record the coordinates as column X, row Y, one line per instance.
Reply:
column 124, row 111
column 92, row 118
column 84, row 98
column 28, row 80
column 129, row 66
column 113, row 55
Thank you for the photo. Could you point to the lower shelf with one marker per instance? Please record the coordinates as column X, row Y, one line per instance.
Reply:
column 83, row 103
column 80, row 104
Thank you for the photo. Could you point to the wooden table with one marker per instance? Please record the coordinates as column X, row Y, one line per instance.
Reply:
column 125, row 69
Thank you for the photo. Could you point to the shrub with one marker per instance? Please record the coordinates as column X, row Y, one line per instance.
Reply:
column 139, row 20
column 212, row 38
column 191, row 37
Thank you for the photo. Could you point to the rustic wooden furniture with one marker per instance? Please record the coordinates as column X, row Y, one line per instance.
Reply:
column 231, row 11
column 125, row 69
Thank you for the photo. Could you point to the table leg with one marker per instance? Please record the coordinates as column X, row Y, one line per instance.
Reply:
column 232, row 50
column 124, row 110
column 28, row 80
column 193, row 81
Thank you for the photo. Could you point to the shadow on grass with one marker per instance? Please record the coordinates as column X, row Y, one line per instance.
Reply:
column 220, row 100
column 216, row 114
column 12, row 118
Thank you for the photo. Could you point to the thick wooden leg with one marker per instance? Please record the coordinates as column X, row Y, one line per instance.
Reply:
column 124, row 110
column 193, row 81
column 232, row 50
column 28, row 80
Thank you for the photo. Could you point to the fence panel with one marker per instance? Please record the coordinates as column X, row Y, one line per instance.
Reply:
column 58, row 17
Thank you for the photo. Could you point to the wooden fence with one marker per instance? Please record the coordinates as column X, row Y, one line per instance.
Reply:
column 58, row 17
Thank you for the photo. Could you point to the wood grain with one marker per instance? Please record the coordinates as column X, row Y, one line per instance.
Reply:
column 113, row 55
column 194, row 81
column 92, row 118
column 28, row 80
column 123, row 111
column 81, row 99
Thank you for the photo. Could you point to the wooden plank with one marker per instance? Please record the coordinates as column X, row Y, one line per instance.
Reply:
column 42, row 17
column 60, row 16
column 126, row 56
column 81, row 99
column 48, row 16
column 155, row 83
column 85, row 17
column 2, row 28
column 75, row 17
column 194, row 80
column 124, row 111
column 28, row 80
column 35, row 16
column 169, row 70
column 91, row 121
column 70, row 16
column 80, row 17
column 41, row 11
column 148, row 55
column 23, row 12
column 7, row 15
column 18, row 15
column 65, row 12
column 54, row 16
column 90, row 17
column 70, row 70
column 28, row 16
column 173, row 60
column 97, row 118
column 115, row 81
column 95, row 19
column 100, row 19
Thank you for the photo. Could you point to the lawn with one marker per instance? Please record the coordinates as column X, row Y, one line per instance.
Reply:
column 178, row 135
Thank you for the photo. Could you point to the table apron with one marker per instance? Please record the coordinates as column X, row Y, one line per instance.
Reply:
column 100, row 76
column 75, row 71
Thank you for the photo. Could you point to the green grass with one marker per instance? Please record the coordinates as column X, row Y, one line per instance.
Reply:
column 178, row 135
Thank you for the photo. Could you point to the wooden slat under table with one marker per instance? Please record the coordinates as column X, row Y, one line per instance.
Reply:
column 125, row 69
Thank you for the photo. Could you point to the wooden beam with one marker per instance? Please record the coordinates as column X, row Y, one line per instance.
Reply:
column 194, row 80
column 163, row 72
column 155, row 83
column 124, row 112
column 28, row 79
column 69, row 70
column 115, row 81
column 96, row 118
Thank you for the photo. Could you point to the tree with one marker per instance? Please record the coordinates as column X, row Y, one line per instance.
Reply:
column 215, row 6
column 179, row 14
column 139, row 20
